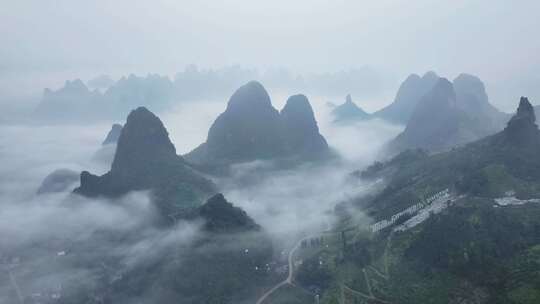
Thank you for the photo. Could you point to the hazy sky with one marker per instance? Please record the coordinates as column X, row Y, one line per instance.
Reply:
column 497, row 40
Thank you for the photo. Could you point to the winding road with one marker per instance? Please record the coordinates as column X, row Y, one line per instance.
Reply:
column 289, row 279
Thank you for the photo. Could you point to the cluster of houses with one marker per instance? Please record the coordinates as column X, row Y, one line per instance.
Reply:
column 313, row 242
column 378, row 226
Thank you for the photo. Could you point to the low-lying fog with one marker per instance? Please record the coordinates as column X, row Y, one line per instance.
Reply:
column 285, row 203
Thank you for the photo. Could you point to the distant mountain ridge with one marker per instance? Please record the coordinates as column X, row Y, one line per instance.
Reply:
column 109, row 99
column 349, row 112
column 75, row 102
column 478, row 246
column 491, row 166
column 408, row 96
column 449, row 115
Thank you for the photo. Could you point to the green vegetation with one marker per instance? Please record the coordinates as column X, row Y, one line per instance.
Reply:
column 475, row 251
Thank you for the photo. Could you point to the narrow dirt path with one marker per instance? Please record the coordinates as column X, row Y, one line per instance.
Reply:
column 290, row 276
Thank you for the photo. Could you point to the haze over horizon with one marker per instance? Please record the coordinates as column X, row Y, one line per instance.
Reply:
column 45, row 44
column 269, row 152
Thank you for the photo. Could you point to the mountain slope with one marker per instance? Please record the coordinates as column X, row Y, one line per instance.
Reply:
column 506, row 161
column 471, row 97
column 301, row 137
column 481, row 246
column 145, row 159
column 407, row 97
column 446, row 118
column 220, row 256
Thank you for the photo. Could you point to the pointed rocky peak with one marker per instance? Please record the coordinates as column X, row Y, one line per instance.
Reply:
column 349, row 111
column 435, row 105
column 434, row 123
column 521, row 127
column 221, row 216
column 300, row 131
column 249, row 129
column 145, row 159
column 113, row 135
column 414, row 87
column 470, row 92
column 430, row 77
column 348, row 99
column 298, row 108
column 439, row 98
column 249, row 96
column 525, row 111
column 408, row 89
column 142, row 139
column 409, row 94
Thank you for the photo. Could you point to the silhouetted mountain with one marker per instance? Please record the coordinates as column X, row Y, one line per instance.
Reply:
column 132, row 91
column 441, row 120
column 59, row 180
column 301, row 133
column 251, row 128
column 227, row 261
column 349, row 111
column 409, row 94
column 115, row 98
column 247, row 130
column 521, row 130
column 113, row 135
column 75, row 102
column 436, row 122
column 471, row 97
column 69, row 103
column 486, row 234
column 491, row 166
column 221, row 216
column 146, row 159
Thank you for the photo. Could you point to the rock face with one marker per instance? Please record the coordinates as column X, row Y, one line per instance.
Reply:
column 349, row 111
column 251, row 128
column 503, row 168
column 434, row 123
column 60, row 180
column 113, row 135
column 247, row 130
column 471, row 97
column 445, row 118
column 522, row 130
column 222, row 216
column 407, row 97
column 301, row 134
column 146, row 159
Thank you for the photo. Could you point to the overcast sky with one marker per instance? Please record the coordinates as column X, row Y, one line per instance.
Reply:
column 497, row 40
